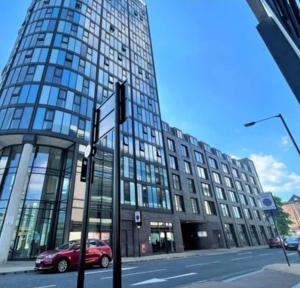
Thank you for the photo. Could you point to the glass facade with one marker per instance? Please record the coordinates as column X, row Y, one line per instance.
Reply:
column 67, row 58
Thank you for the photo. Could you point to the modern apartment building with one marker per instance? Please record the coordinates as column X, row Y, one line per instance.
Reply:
column 215, row 196
column 279, row 27
column 67, row 58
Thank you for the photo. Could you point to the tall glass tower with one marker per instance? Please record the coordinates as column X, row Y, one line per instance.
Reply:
column 67, row 58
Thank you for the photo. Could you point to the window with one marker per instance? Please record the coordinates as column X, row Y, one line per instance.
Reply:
column 252, row 180
column 238, row 185
column 216, row 177
column 248, row 189
column 252, row 201
column 236, row 212
column 195, row 207
column 206, row 190
column 210, row 208
column 256, row 215
column 191, row 185
column 171, row 145
column 202, row 173
column 244, row 176
column 228, row 182
column 184, row 151
column 224, row 209
column 232, row 196
column 187, row 167
column 173, row 162
column 199, row 157
column 179, row 134
column 243, row 199
column 179, row 205
column 212, row 163
column 220, row 193
column 247, row 213
column 225, row 168
column 255, row 191
column 176, row 182
column 235, row 173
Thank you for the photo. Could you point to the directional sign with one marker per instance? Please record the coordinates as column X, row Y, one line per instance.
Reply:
column 267, row 202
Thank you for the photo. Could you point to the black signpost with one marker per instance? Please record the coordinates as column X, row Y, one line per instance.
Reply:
column 108, row 116
column 269, row 206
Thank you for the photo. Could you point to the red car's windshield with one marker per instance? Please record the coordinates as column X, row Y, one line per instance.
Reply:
column 68, row 245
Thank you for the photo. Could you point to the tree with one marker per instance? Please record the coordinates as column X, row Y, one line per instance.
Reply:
column 282, row 218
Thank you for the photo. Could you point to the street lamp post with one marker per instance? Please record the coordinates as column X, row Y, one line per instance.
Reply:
column 249, row 124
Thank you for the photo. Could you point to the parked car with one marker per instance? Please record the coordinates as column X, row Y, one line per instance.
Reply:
column 67, row 256
column 291, row 242
column 274, row 242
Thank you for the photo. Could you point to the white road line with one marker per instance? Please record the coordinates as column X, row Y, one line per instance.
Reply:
column 241, row 258
column 180, row 276
column 161, row 280
column 264, row 254
column 109, row 270
column 48, row 286
column 291, row 254
column 242, row 276
column 136, row 273
column 203, row 264
column 244, row 253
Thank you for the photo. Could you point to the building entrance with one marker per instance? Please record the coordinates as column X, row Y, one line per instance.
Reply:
column 190, row 237
column 162, row 237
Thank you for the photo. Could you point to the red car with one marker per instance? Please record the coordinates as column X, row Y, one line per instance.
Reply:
column 68, row 254
column 274, row 242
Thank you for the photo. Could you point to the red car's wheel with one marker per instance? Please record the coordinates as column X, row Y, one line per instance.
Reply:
column 104, row 261
column 62, row 265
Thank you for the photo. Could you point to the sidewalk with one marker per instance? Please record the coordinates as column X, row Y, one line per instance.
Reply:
column 28, row 266
column 275, row 276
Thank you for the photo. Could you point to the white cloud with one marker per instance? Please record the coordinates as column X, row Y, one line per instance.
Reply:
column 274, row 175
column 285, row 142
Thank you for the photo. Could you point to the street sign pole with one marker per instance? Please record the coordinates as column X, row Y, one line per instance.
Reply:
column 89, row 156
column 268, row 204
column 280, row 238
column 120, row 117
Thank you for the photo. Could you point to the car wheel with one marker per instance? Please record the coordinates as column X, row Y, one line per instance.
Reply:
column 104, row 261
column 62, row 265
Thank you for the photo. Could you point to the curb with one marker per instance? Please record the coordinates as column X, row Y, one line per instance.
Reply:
column 17, row 272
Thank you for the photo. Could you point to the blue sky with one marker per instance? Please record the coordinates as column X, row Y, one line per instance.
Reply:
column 214, row 73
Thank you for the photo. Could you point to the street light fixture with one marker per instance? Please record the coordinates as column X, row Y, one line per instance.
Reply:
column 249, row 124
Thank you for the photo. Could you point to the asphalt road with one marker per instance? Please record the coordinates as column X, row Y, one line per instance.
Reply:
column 161, row 274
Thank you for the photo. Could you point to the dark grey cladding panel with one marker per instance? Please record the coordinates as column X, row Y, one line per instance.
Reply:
column 282, row 52
column 258, row 9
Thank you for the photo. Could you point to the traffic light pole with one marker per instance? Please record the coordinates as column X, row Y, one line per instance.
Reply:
column 117, row 265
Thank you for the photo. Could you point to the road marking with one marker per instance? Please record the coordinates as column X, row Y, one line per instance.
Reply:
column 109, row 270
column 291, row 254
column 160, row 280
column 136, row 273
column 203, row 264
column 241, row 258
column 296, row 286
column 244, row 253
column 243, row 275
column 264, row 254
column 48, row 286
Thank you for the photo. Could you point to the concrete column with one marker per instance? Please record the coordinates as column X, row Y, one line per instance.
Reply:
column 9, row 224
